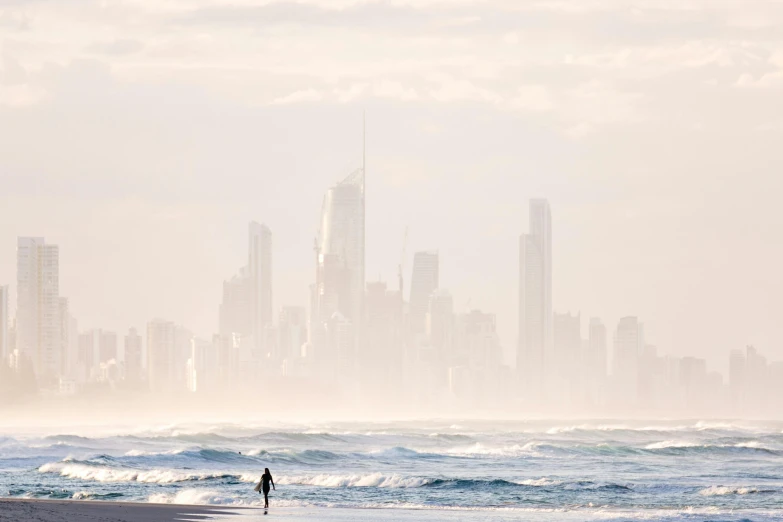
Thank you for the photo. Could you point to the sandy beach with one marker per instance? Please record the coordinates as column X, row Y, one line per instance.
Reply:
column 39, row 510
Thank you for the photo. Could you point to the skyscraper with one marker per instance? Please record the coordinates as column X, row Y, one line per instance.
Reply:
column 38, row 306
column 628, row 345
column 246, row 309
column 160, row 355
column 565, row 372
column 424, row 281
column 292, row 332
column 597, row 349
column 440, row 325
column 107, row 349
column 337, row 301
column 5, row 349
column 260, row 273
column 342, row 237
column 133, row 356
column 535, row 299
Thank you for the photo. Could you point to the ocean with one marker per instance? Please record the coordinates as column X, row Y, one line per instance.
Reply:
column 537, row 470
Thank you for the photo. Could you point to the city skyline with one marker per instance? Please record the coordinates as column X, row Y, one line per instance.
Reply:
column 371, row 342
column 539, row 215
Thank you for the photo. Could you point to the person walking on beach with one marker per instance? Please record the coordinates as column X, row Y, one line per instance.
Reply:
column 263, row 485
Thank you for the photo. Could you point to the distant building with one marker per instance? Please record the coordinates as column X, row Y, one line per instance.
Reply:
column 246, row 307
column 87, row 359
column 566, row 344
column 597, row 354
column 5, row 345
column 107, row 350
column 292, row 332
column 337, row 297
column 535, row 299
column 201, row 366
column 565, row 368
column 38, row 306
column 66, row 337
column 477, row 349
column 440, row 325
column 628, row 345
column 382, row 356
column 260, row 275
column 235, row 312
column 160, row 355
column 132, row 351
column 424, row 281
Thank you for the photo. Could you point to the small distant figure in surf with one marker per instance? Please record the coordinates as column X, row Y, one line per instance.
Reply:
column 263, row 485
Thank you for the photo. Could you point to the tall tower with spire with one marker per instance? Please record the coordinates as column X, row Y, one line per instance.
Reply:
column 337, row 304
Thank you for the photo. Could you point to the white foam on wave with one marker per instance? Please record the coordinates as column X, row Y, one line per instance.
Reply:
column 197, row 497
column 478, row 449
column 714, row 491
column 538, row 482
column 753, row 444
column 375, row 480
column 667, row 444
column 142, row 453
column 108, row 474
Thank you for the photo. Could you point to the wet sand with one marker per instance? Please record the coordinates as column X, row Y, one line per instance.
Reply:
column 37, row 510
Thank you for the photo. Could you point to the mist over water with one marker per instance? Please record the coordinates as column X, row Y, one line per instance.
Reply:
column 514, row 257
column 659, row 470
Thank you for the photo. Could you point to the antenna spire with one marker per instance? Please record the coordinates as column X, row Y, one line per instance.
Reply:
column 364, row 148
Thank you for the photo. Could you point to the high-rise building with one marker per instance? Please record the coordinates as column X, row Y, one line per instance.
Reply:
column 246, row 309
column 132, row 354
column 235, row 313
column 477, row 349
column 424, row 281
column 292, row 332
column 382, row 356
column 566, row 371
column 260, row 273
column 535, row 298
column 66, row 337
column 160, row 355
column 342, row 236
column 628, row 346
column 597, row 349
column 597, row 362
column 337, row 301
column 566, row 344
column 38, row 306
column 87, row 359
column 440, row 325
column 737, row 378
column 5, row 345
column 107, row 349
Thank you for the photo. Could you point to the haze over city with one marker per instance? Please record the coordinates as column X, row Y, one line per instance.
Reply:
column 431, row 260
column 144, row 151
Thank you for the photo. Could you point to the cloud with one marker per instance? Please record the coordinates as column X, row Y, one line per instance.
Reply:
column 463, row 90
column 766, row 80
column 351, row 93
column 302, row 96
column 116, row 47
column 511, row 38
column 395, row 91
column 535, row 98
column 21, row 95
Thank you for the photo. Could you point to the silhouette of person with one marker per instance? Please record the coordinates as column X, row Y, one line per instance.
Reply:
column 263, row 485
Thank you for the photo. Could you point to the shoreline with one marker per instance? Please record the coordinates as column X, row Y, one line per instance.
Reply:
column 49, row 510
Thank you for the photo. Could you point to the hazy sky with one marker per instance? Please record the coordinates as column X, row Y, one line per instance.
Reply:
column 142, row 136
